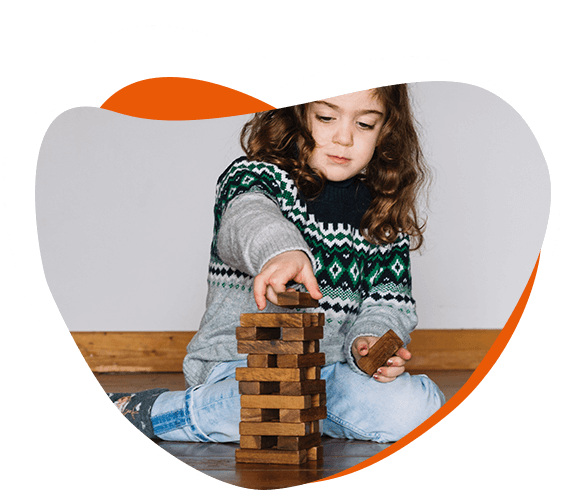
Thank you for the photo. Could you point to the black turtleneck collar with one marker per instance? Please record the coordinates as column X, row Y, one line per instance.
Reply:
column 342, row 184
column 342, row 202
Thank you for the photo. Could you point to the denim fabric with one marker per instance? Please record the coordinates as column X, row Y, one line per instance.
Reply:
column 358, row 407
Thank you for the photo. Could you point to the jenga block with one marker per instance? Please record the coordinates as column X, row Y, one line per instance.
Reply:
column 270, row 401
column 260, row 415
column 301, row 388
column 318, row 399
column 257, row 333
column 259, row 387
column 299, row 442
column 258, row 442
column 276, row 347
column 270, row 374
column 263, row 361
column 381, row 351
column 316, row 453
column 301, row 360
column 276, row 428
column 291, row 320
column 294, row 298
column 314, row 426
column 243, row 455
column 312, row 372
column 308, row 415
column 305, row 333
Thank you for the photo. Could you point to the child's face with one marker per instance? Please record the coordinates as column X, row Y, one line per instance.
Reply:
column 346, row 129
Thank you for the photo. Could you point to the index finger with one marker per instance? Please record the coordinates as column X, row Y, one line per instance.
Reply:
column 308, row 279
column 260, row 291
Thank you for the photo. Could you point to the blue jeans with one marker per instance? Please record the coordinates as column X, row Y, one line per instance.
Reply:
column 358, row 407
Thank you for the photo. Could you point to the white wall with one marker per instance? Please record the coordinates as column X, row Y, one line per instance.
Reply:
column 489, row 207
column 124, row 213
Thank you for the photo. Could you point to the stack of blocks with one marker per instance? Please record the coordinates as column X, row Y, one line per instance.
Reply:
column 282, row 396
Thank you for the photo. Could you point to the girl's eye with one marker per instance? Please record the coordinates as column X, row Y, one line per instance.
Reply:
column 324, row 119
column 366, row 126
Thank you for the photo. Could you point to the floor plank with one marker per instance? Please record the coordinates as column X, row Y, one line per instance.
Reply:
column 218, row 460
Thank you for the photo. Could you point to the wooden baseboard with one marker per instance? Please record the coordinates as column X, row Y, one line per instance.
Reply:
column 450, row 349
column 107, row 352
column 133, row 351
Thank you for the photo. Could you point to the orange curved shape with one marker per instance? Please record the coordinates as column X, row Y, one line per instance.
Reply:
column 187, row 99
column 181, row 99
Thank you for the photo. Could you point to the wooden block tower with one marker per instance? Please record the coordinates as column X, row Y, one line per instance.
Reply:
column 282, row 396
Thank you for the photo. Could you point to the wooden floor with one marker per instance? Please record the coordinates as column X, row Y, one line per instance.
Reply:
column 218, row 460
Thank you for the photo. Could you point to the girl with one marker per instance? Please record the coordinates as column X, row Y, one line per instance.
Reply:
column 325, row 200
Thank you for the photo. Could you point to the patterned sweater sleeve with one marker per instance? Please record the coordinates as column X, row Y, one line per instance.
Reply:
column 250, row 227
column 253, row 231
column 388, row 302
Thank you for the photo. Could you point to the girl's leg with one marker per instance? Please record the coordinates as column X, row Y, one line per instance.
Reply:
column 359, row 407
column 204, row 413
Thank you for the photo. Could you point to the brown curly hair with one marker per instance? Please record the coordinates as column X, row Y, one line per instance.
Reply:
column 395, row 176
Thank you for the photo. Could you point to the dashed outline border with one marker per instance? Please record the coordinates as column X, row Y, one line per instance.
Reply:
column 294, row 81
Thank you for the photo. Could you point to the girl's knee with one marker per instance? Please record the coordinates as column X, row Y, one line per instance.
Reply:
column 410, row 407
column 384, row 412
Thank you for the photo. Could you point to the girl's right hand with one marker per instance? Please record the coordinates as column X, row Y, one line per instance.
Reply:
column 395, row 366
column 277, row 272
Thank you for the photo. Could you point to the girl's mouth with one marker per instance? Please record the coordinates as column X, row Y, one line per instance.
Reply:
column 338, row 159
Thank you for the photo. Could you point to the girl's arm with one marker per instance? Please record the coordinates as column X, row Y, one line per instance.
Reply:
column 255, row 238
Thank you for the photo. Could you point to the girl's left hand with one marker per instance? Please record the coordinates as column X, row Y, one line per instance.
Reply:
column 395, row 365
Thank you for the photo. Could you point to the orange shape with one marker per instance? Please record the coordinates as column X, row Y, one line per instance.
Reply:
column 173, row 98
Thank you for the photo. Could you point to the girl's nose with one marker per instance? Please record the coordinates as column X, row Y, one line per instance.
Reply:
column 343, row 136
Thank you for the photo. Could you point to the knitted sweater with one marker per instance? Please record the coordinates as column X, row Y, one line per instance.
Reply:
column 259, row 214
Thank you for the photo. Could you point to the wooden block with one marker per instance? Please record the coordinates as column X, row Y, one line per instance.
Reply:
column 258, row 442
column 316, row 453
column 299, row 442
column 243, row 455
column 318, row 399
column 308, row 415
column 260, row 415
column 274, row 428
column 276, row 456
column 312, row 373
column 277, row 347
column 301, row 388
column 259, row 387
column 305, row 333
column 270, row 401
column 257, row 333
column 291, row 320
column 301, row 360
column 263, row 361
column 294, row 298
column 380, row 353
column 270, row 374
